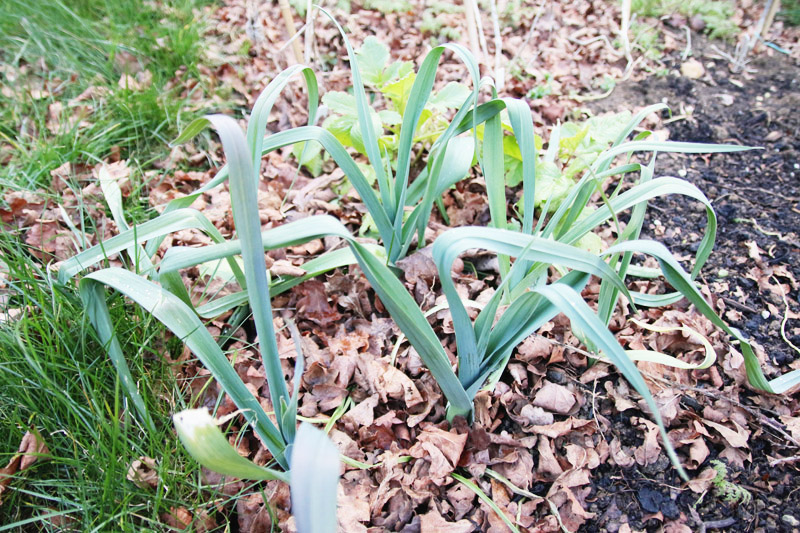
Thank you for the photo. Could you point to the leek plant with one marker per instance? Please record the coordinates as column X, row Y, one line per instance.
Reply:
column 169, row 303
column 449, row 157
column 485, row 346
column 313, row 478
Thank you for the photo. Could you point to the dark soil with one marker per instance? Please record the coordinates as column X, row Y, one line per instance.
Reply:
column 756, row 196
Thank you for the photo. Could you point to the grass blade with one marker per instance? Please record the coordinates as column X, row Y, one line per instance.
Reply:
column 94, row 301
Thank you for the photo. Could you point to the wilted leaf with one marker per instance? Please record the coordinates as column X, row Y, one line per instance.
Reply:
column 442, row 449
column 143, row 473
column 549, row 467
column 621, row 457
column 178, row 518
column 793, row 425
column 387, row 381
column 519, row 472
column 24, row 207
column 737, row 438
column 314, row 306
column 363, row 413
column 703, row 481
column 648, row 452
column 433, row 522
column 354, row 501
column 570, row 509
column 554, row 398
column 31, row 448
column 559, row 429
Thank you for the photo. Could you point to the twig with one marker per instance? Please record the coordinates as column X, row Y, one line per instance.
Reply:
column 479, row 26
column 771, row 9
column 309, row 40
column 288, row 21
column 739, row 59
column 574, row 39
column 782, row 460
column 530, row 31
column 737, row 305
column 623, row 31
column 292, row 41
column 499, row 72
column 688, row 50
column 528, row 38
column 756, row 412
column 472, row 28
column 719, row 524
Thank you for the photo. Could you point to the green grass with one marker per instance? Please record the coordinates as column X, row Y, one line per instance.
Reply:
column 54, row 375
column 67, row 47
column 790, row 12
column 715, row 13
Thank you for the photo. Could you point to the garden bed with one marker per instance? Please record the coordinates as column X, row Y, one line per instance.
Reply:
column 561, row 442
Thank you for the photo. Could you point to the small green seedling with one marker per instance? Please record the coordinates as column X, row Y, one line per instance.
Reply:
column 728, row 491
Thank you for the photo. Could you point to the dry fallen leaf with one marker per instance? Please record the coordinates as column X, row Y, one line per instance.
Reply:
column 143, row 473
column 118, row 173
column 554, row 398
column 178, row 518
column 31, row 448
column 570, row 508
column 24, row 207
column 520, row 471
column 137, row 83
column 620, row 456
column 389, row 382
column 282, row 267
column 314, row 305
column 433, row 522
column 703, row 481
column 737, row 438
column 253, row 514
column 648, row 452
column 793, row 425
column 354, row 502
column 363, row 413
column 442, row 449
